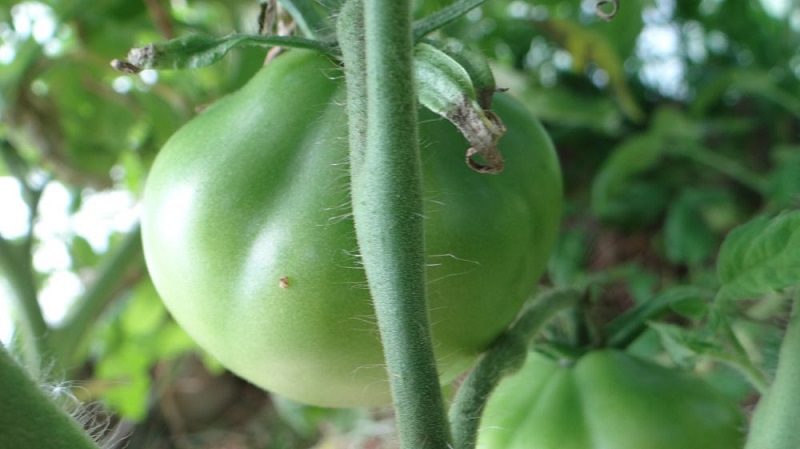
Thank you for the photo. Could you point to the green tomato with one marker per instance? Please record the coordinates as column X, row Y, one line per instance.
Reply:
column 248, row 236
column 607, row 400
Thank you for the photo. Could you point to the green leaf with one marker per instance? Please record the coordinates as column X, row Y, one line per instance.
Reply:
column 628, row 326
column 568, row 260
column 446, row 88
column 144, row 314
column 783, row 184
column 82, row 254
column 127, row 370
column 688, row 238
column 693, row 308
column 628, row 186
column 760, row 256
column 685, row 346
column 476, row 66
column 619, row 191
column 138, row 338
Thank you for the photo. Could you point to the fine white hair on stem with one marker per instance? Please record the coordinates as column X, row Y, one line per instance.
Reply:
column 92, row 417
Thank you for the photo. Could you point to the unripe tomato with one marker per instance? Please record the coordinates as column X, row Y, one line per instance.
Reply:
column 248, row 236
column 608, row 400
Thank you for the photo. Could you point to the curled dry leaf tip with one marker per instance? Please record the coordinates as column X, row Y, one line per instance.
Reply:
column 607, row 16
column 125, row 67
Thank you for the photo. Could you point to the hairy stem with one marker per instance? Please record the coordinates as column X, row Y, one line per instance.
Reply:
column 387, row 208
column 774, row 424
column 28, row 418
column 506, row 356
column 15, row 265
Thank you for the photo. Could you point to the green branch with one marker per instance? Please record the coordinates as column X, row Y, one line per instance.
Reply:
column 29, row 419
column 199, row 50
column 506, row 356
column 387, row 208
column 774, row 424
column 115, row 270
column 16, row 263
column 443, row 16
column 16, row 267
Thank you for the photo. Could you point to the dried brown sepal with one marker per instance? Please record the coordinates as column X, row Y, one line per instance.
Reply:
column 483, row 131
column 125, row 67
column 266, row 17
column 138, row 60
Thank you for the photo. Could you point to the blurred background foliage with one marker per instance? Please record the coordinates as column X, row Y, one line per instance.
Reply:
column 675, row 121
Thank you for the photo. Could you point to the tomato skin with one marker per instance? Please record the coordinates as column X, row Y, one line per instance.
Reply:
column 248, row 237
column 608, row 400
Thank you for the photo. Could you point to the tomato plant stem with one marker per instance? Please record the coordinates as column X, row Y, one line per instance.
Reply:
column 774, row 424
column 117, row 267
column 387, row 208
column 15, row 264
column 28, row 417
column 443, row 17
column 506, row 356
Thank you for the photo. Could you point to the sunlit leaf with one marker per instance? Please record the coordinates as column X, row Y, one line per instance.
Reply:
column 760, row 256
column 127, row 373
column 139, row 336
column 82, row 254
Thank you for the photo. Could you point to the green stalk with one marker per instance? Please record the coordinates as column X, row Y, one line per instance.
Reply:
column 15, row 265
column 442, row 17
column 29, row 419
column 506, row 356
column 114, row 271
column 774, row 424
column 387, row 209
